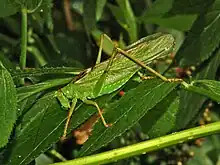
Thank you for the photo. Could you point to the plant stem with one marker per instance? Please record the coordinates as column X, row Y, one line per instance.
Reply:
column 23, row 54
column 147, row 146
column 37, row 54
column 8, row 39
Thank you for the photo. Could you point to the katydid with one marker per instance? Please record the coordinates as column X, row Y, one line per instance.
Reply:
column 110, row 75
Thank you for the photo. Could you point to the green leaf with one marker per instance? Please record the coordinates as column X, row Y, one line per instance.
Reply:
column 162, row 118
column 8, row 103
column 43, row 159
column 202, row 40
column 67, row 44
column 47, row 14
column 27, row 91
column 42, row 14
column 5, row 40
column 195, row 101
column 108, row 45
column 43, row 125
column 32, row 5
column 51, row 39
column 118, row 14
column 89, row 14
column 209, row 88
column 178, row 7
column 159, row 14
column 14, row 6
column 178, row 22
column 78, row 6
column 14, row 26
column 8, row 8
column 127, row 112
column 189, row 7
column 131, row 25
column 55, row 71
column 26, row 104
column 100, row 4
column 158, row 8
column 6, row 62
column 125, row 17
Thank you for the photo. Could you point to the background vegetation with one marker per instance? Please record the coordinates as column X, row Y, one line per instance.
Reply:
column 45, row 43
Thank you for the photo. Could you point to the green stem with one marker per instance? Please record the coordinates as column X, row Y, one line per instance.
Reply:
column 41, row 45
column 23, row 54
column 147, row 146
column 37, row 54
column 8, row 39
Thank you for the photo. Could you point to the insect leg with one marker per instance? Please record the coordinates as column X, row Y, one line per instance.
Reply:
column 72, row 107
column 145, row 77
column 100, row 82
column 64, row 101
column 98, row 60
column 104, row 41
column 90, row 102
column 141, row 64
